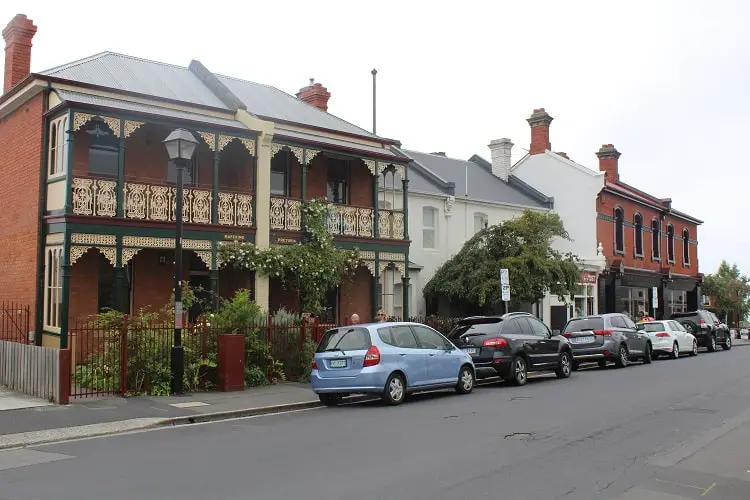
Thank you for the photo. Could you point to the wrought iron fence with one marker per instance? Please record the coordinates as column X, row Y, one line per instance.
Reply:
column 14, row 322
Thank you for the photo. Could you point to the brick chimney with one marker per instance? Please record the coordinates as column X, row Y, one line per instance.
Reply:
column 17, row 34
column 608, row 157
column 539, row 123
column 315, row 94
column 500, row 150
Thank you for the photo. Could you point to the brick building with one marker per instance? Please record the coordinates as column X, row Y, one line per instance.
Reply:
column 651, row 249
column 87, row 192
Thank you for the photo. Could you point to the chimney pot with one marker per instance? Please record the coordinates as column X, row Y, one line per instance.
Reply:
column 608, row 162
column 539, row 122
column 315, row 94
column 18, row 35
column 500, row 152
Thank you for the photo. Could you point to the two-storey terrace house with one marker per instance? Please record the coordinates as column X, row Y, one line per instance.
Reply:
column 87, row 194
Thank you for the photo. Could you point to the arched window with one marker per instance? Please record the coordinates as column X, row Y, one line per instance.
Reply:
column 655, row 239
column 619, row 230
column 638, row 223
column 53, row 149
column 686, row 247
column 670, row 243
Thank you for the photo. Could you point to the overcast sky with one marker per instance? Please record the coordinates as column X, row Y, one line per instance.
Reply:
column 666, row 82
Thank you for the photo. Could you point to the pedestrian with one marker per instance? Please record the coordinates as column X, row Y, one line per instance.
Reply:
column 355, row 319
column 380, row 317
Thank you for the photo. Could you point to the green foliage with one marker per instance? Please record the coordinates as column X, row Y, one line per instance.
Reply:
column 284, row 317
column 306, row 358
column 312, row 268
column 730, row 291
column 523, row 246
column 238, row 314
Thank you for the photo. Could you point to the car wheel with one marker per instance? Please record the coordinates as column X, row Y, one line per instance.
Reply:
column 675, row 351
column 395, row 390
column 331, row 399
column 622, row 359
column 564, row 367
column 465, row 380
column 519, row 371
column 727, row 343
column 602, row 363
column 712, row 344
column 647, row 355
column 694, row 350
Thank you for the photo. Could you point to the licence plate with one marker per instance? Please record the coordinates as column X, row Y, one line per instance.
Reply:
column 471, row 350
column 583, row 340
column 337, row 363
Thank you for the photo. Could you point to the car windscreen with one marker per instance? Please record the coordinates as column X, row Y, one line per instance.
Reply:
column 474, row 329
column 345, row 339
column 653, row 327
column 584, row 324
column 685, row 315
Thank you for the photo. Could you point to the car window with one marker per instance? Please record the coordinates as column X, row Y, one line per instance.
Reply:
column 715, row 318
column 478, row 329
column 628, row 322
column 428, row 338
column 511, row 326
column 386, row 336
column 346, row 339
column 655, row 326
column 403, row 337
column 617, row 321
column 675, row 326
column 585, row 324
column 523, row 324
column 538, row 328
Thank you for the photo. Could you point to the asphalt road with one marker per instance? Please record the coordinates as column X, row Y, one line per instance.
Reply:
column 666, row 431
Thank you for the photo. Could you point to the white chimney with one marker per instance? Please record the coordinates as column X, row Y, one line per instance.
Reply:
column 500, row 152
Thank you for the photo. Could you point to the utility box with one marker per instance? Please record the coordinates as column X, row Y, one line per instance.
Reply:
column 231, row 363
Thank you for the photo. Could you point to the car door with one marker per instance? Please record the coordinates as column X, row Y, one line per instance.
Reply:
column 631, row 339
column 442, row 362
column 640, row 339
column 684, row 339
column 413, row 359
column 518, row 332
column 549, row 347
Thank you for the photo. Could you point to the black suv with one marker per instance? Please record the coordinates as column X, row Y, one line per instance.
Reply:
column 706, row 327
column 511, row 346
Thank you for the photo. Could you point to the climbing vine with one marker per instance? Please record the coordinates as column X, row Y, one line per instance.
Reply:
column 312, row 267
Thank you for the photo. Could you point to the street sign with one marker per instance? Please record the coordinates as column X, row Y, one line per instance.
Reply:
column 504, row 278
column 506, row 293
column 655, row 297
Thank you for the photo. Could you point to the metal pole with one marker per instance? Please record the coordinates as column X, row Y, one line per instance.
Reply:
column 178, row 355
column 374, row 94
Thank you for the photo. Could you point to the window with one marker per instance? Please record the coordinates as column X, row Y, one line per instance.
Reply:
column 103, row 149
column 56, row 157
column 53, row 287
column 538, row 328
column 676, row 301
column 429, row 227
column 584, row 324
column 386, row 336
column 655, row 239
column 658, row 326
column 619, row 230
column 398, row 301
column 53, row 149
column 280, row 175
column 518, row 326
column 686, row 247
column 480, row 221
column 429, row 338
column 670, row 243
column 479, row 330
column 346, row 339
column 638, row 223
column 390, row 194
column 629, row 322
column 338, row 181
column 403, row 337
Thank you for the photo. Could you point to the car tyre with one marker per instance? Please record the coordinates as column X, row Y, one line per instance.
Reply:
column 395, row 390
column 519, row 371
column 675, row 351
column 331, row 399
column 727, row 343
column 622, row 359
column 565, row 365
column 712, row 343
column 694, row 350
column 647, row 355
column 466, row 380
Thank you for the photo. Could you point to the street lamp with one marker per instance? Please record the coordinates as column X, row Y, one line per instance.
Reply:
column 180, row 147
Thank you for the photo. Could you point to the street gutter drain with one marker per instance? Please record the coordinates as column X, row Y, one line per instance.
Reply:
column 519, row 436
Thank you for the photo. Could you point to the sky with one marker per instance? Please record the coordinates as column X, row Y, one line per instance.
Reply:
column 665, row 81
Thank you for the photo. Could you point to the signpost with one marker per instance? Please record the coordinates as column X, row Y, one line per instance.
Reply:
column 655, row 298
column 505, row 287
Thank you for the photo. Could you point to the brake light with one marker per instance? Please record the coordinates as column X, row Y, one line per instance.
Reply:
column 567, row 335
column 603, row 333
column 496, row 343
column 662, row 334
column 314, row 365
column 372, row 357
column 703, row 322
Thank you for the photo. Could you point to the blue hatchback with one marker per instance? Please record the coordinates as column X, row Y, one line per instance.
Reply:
column 389, row 359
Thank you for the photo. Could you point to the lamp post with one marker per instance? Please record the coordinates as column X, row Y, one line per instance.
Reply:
column 180, row 147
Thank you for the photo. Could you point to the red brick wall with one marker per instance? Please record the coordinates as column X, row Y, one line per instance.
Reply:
column 153, row 282
column 236, row 168
column 361, row 183
column 317, row 177
column 282, row 297
column 295, row 176
column 145, row 155
column 606, row 205
column 231, row 280
column 84, row 287
column 20, row 161
column 356, row 296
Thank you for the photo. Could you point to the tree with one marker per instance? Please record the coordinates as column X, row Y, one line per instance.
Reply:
column 471, row 279
column 730, row 291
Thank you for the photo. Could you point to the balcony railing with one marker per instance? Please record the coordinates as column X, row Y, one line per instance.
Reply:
column 158, row 203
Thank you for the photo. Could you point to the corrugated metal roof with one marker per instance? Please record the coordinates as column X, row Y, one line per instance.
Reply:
column 108, row 102
column 336, row 143
column 132, row 74
column 482, row 185
column 271, row 102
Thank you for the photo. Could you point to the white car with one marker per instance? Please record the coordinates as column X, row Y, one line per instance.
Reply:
column 670, row 338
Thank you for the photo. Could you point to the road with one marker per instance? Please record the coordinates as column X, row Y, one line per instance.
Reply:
column 675, row 429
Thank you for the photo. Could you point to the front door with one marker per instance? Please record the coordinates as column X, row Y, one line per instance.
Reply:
column 412, row 359
column 442, row 364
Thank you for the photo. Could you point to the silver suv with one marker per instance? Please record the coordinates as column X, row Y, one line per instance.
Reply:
column 607, row 337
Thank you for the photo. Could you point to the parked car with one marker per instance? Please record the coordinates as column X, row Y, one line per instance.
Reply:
column 744, row 331
column 706, row 327
column 512, row 345
column 607, row 337
column 669, row 337
column 389, row 359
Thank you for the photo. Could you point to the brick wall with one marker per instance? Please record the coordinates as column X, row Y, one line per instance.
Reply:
column 153, row 282
column 84, row 287
column 231, row 280
column 20, row 159
column 282, row 297
column 361, row 182
column 356, row 296
column 317, row 177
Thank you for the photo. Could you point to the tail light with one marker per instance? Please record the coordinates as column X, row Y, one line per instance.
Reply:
column 603, row 333
column 496, row 343
column 662, row 334
column 372, row 357
column 567, row 335
column 703, row 322
column 314, row 365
